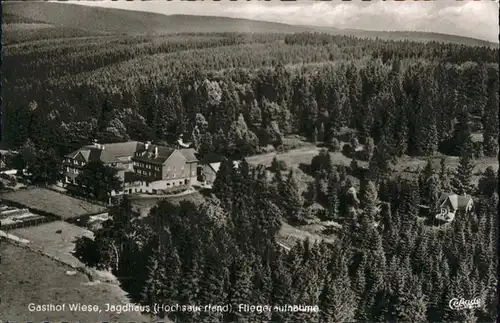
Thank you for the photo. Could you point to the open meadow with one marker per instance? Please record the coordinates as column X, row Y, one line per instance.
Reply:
column 51, row 202
column 56, row 239
column 28, row 277
column 405, row 165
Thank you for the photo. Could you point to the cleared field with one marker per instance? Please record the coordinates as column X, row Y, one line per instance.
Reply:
column 60, row 245
column 28, row 277
column 295, row 157
column 47, row 201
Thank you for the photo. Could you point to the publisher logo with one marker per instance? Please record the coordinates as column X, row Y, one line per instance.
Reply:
column 461, row 304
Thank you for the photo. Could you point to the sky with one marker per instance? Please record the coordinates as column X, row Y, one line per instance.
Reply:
column 477, row 19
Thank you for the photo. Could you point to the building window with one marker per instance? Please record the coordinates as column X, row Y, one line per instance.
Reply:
column 147, row 184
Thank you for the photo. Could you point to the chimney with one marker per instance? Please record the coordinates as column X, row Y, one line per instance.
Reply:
column 147, row 144
column 156, row 152
column 102, row 147
column 96, row 144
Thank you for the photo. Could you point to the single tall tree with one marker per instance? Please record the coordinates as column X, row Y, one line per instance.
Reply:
column 45, row 168
column 97, row 180
column 462, row 181
column 488, row 183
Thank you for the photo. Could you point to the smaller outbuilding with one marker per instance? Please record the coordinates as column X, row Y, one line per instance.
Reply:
column 451, row 203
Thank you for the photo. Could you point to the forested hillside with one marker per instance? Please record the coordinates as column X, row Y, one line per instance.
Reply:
column 107, row 20
column 134, row 22
column 236, row 92
column 374, row 102
column 224, row 252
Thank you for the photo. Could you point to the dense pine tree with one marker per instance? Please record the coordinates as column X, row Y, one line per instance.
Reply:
column 488, row 183
column 490, row 120
column 462, row 182
column 337, row 299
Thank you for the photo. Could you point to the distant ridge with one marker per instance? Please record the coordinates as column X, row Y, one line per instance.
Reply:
column 109, row 20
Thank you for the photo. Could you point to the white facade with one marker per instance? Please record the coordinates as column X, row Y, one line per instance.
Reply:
column 155, row 187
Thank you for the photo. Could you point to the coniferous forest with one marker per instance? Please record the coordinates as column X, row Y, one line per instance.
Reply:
column 235, row 93
column 224, row 252
column 238, row 94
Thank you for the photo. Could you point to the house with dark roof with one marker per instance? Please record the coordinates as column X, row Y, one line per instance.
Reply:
column 451, row 203
column 142, row 167
column 210, row 164
column 117, row 155
column 157, row 168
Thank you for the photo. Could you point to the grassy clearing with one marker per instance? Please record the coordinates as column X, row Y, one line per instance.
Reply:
column 48, row 201
column 405, row 164
column 290, row 235
column 59, row 245
column 28, row 277
column 295, row 157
